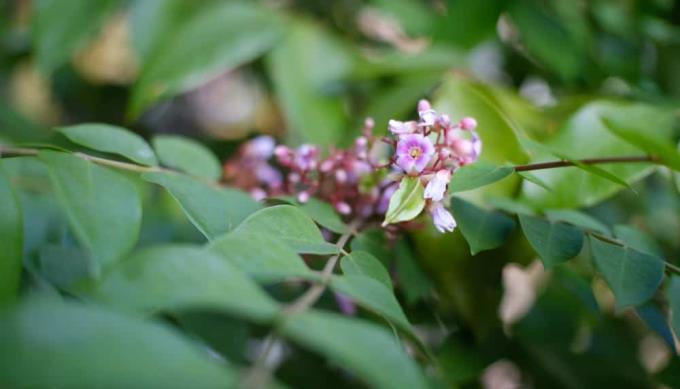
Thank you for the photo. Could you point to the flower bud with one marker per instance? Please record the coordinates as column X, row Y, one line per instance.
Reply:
column 303, row 197
column 468, row 123
column 343, row 208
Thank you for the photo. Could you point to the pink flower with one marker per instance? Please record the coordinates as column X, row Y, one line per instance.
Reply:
column 442, row 219
column 401, row 128
column 306, row 157
column 468, row 123
column 426, row 113
column 437, row 186
column 260, row 148
column 414, row 152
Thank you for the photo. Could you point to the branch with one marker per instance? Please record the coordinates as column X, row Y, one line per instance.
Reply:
column 588, row 161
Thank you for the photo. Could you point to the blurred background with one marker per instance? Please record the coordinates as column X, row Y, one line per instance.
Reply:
column 312, row 71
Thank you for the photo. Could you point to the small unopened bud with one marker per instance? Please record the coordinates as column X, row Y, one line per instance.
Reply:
column 303, row 197
column 258, row 194
column 443, row 121
column 326, row 166
column 369, row 123
column 283, row 154
column 343, row 208
column 294, row 177
column 468, row 123
column 341, row 176
column 424, row 105
column 444, row 153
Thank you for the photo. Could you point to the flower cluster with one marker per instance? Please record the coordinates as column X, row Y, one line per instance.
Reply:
column 360, row 181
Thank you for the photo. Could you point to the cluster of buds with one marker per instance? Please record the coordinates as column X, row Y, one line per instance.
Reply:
column 360, row 181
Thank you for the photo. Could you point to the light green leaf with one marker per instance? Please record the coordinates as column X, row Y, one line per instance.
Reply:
column 48, row 343
column 365, row 349
column 673, row 295
column 324, row 214
column 531, row 177
column 477, row 175
column 60, row 28
column 585, row 136
column 212, row 210
column 304, row 68
column 577, row 218
column 187, row 155
column 263, row 256
column 103, row 206
column 180, row 277
column 363, row 263
column 12, row 233
column 221, row 36
column 111, row 139
column 632, row 275
column 644, row 139
column 407, row 202
column 292, row 226
column 482, row 229
column 554, row 242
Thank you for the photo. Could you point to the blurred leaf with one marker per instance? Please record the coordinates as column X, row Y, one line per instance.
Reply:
column 212, row 210
column 468, row 22
column 673, row 295
column 224, row 334
column 11, row 231
column 324, row 214
column 655, row 320
column 554, row 242
column 645, row 140
column 187, row 155
column 411, row 279
column 482, row 229
column 476, row 175
column 220, row 37
column 60, row 28
column 103, row 206
column 178, row 277
column 433, row 61
column 577, row 218
column 364, row 349
column 407, row 202
column 63, row 266
column 637, row 239
column 584, row 136
column 531, row 177
column 373, row 241
column 363, row 263
column 264, row 257
column 111, row 139
column 632, row 275
column 48, row 343
column 292, row 226
column 303, row 68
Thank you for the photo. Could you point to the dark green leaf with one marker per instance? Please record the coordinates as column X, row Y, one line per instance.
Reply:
column 12, row 234
column 292, row 226
column 363, row 263
column 637, row 239
column 187, row 155
column 657, row 322
column 476, row 175
column 48, row 343
column 363, row 348
column 103, row 206
column 221, row 36
column 407, row 202
column 554, row 242
column 62, row 27
column 63, row 266
column 673, row 295
column 178, row 277
column 411, row 279
column 577, row 218
column 212, row 210
column 482, row 229
column 111, row 139
column 632, row 275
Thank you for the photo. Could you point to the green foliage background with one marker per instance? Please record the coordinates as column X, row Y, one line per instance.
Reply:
column 160, row 277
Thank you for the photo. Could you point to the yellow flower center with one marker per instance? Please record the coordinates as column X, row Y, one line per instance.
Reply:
column 415, row 152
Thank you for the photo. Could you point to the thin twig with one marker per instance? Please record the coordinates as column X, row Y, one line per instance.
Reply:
column 588, row 161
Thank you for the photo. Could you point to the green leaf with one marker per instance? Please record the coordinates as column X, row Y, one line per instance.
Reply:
column 645, row 140
column 111, row 139
column 103, row 206
column 187, row 155
column 585, row 136
column 363, row 348
column 577, row 218
column 637, row 239
column 554, row 242
column 263, row 256
column 60, row 28
column 407, row 202
column 180, row 277
column 324, row 214
column 303, row 69
column 476, row 175
column 673, row 295
column 48, row 343
column 632, row 275
column 531, row 177
column 12, row 234
column 213, row 210
column 363, row 263
column 482, row 229
column 656, row 321
column 63, row 266
column 292, row 226
column 221, row 36
column 410, row 277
